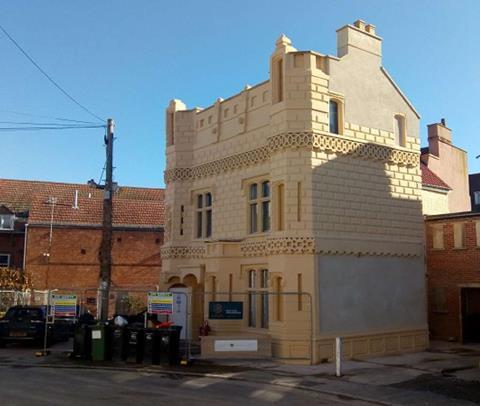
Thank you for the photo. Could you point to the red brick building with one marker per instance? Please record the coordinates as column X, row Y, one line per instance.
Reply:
column 62, row 235
column 453, row 272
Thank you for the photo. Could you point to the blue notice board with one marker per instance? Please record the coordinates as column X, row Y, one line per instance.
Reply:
column 225, row 310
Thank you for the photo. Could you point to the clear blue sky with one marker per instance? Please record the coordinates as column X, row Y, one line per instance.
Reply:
column 127, row 59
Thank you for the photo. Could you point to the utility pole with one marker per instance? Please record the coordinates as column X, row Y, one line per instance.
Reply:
column 106, row 250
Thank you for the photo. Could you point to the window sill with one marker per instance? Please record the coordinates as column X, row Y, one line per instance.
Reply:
column 258, row 330
column 259, row 234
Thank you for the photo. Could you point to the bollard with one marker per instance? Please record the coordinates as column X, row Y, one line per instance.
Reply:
column 338, row 356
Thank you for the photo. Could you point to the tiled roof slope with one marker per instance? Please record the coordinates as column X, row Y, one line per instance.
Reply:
column 431, row 179
column 19, row 194
column 126, row 212
column 132, row 206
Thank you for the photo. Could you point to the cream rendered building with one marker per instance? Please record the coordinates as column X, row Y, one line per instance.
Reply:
column 308, row 182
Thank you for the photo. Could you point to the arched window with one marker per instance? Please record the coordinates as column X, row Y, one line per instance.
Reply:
column 399, row 130
column 334, row 116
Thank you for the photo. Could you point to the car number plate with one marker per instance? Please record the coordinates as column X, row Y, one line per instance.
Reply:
column 18, row 334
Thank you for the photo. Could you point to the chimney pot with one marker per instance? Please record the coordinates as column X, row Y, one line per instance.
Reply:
column 370, row 28
column 360, row 24
column 443, row 122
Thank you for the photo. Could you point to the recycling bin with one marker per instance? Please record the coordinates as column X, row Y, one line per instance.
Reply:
column 134, row 345
column 99, row 341
column 174, row 345
column 150, row 346
column 167, row 348
column 116, row 343
column 82, row 342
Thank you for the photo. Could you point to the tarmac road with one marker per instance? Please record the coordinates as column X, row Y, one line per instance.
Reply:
column 28, row 386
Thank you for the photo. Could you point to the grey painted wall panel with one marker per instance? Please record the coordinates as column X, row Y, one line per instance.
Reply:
column 362, row 293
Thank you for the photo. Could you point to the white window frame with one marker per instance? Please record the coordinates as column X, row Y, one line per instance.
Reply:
column 256, row 204
column 203, row 215
column 258, row 297
column 8, row 260
column 2, row 221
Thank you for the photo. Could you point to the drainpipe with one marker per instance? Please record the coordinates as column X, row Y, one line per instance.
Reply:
column 25, row 247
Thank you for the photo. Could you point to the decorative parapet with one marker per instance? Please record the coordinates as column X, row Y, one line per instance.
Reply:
column 173, row 252
column 337, row 144
column 292, row 140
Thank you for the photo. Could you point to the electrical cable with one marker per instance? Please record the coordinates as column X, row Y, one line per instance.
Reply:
column 50, row 128
column 33, row 123
column 20, row 113
column 47, row 75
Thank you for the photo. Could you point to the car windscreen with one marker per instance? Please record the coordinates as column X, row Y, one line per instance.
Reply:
column 32, row 314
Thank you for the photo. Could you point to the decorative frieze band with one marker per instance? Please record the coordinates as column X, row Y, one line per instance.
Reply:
column 279, row 246
column 173, row 252
column 314, row 141
column 228, row 163
column 275, row 246
column 327, row 143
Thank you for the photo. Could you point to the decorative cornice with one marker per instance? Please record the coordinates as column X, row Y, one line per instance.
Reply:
column 179, row 251
column 292, row 140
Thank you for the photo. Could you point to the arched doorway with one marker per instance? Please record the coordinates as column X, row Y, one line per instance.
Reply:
column 188, row 305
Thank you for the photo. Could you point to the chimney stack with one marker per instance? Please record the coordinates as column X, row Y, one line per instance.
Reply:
column 359, row 37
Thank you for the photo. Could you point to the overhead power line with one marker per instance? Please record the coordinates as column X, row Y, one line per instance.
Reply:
column 21, row 113
column 40, row 128
column 48, row 76
column 40, row 124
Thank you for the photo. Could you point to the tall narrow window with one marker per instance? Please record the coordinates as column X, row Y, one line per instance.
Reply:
column 458, row 235
column 204, row 206
column 259, row 207
column 264, row 296
column 333, row 115
column 277, row 78
column 437, row 236
column 208, row 215
column 280, row 207
column 170, row 130
column 300, row 291
column 199, row 216
column 278, row 299
column 399, row 130
column 182, row 214
column 265, row 206
column 252, row 299
column 230, row 287
column 253, row 208
column 258, row 298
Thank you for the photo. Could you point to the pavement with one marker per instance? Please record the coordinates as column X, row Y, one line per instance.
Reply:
column 446, row 374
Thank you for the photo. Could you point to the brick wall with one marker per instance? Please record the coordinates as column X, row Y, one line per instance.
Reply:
column 11, row 242
column 449, row 269
column 74, row 257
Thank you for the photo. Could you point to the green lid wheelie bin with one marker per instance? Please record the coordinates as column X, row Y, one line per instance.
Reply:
column 99, row 342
